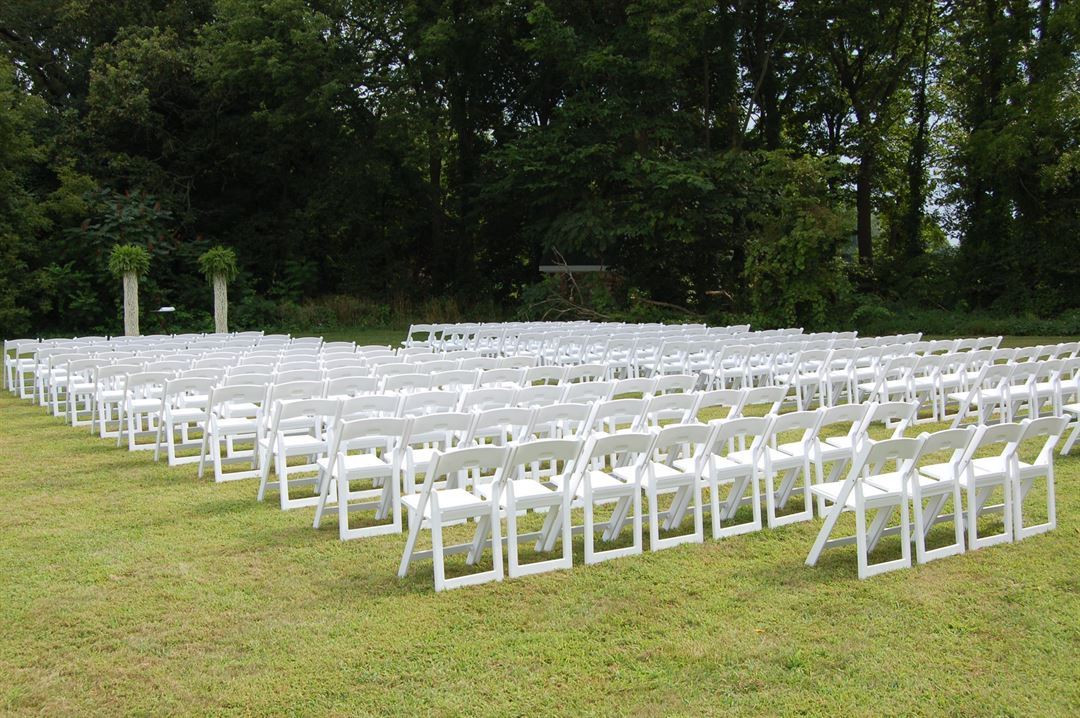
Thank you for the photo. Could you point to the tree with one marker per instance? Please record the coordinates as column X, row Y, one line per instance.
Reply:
column 129, row 262
column 219, row 266
column 869, row 46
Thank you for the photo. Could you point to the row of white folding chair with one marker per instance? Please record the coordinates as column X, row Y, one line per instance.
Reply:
column 918, row 480
column 515, row 422
column 1006, row 389
column 637, row 414
column 412, row 403
column 683, row 460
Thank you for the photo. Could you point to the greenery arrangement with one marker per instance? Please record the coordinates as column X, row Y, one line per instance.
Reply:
column 219, row 266
column 788, row 162
column 129, row 262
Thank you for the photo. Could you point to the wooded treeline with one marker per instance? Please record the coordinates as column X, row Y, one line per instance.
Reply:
column 799, row 162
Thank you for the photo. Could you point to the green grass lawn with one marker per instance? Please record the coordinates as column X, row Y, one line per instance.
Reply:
column 129, row 587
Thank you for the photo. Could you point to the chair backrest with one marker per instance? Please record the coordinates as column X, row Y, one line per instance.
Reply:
column 289, row 376
column 626, row 448
column 322, row 412
column 610, row 415
column 769, row 398
column 677, row 408
column 503, row 425
column 1048, row 428
column 430, row 402
column 733, row 434
column 141, row 384
column 587, row 391
column 388, row 434
column 873, row 458
column 806, row 422
column 727, row 402
column 407, row 382
column 489, row 398
column 222, row 397
column 455, row 379
column 189, row 388
column 1005, row 435
column 366, row 406
column 517, row 362
column 501, row 378
column 955, row 441
column 585, row 373
column 528, row 460
column 562, row 420
column 625, row 387
column 262, row 379
column 690, row 441
column 294, row 390
column 445, row 430
column 856, row 417
column 351, row 386
column 544, row 375
column 540, row 395
column 900, row 412
column 675, row 383
column 456, row 465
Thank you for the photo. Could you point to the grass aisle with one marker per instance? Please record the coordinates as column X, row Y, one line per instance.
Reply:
column 130, row 587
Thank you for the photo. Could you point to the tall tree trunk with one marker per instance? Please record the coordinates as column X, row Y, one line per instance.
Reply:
column 221, row 304
column 863, row 206
column 131, row 304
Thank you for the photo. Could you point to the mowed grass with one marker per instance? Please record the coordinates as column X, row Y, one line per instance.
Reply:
column 129, row 587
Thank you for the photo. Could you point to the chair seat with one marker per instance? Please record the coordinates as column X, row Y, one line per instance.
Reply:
column 186, row 415
column 143, row 405
column 237, row 426
column 82, row 387
column 111, row 395
column 890, row 482
column 601, row 483
column 523, row 489
column 776, row 457
column 660, row 471
column 830, row 490
column 1071, row 409
column 302, row 442
column 422, row 457
column 242, row 408
column 355, row 463
column 794, row 448
column 938, row 472
column 450, row 500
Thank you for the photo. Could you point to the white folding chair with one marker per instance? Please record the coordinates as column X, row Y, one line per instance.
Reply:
column 527, row 485
column 593, row 482
column 931, row 486
column 234, row 414
column 184, row 406
column 297, row 428
column 677, row 461
column 433, row 508
column 1048, row 431
column 369, row 451
column 984, row 475
column 857, row 493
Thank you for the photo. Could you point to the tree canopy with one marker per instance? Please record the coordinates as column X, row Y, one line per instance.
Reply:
column 723, row 158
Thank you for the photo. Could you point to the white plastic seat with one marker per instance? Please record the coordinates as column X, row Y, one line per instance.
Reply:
column 297, row 428
column 184, row 406
column 380, row 444
column 527, row 485
column 233, row 416
column 589, row 485
column 858, row 493
column 434, row 507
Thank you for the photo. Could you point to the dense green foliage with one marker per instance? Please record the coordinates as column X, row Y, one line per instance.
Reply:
column 218, row 262
column 790, row 162
column 129, row 259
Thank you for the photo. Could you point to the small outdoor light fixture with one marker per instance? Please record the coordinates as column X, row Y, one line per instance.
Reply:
column 166, row 310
